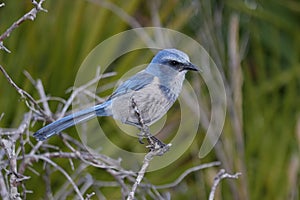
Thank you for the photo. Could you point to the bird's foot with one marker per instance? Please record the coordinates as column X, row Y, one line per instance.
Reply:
column 156, row 145
column 142, row 136
column 141, row 140
column 154, row 141
column 145, row 133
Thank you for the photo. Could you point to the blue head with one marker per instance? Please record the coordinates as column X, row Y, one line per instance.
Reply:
column 171, row 61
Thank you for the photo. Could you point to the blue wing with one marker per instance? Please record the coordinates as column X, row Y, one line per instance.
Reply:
column 135, row 83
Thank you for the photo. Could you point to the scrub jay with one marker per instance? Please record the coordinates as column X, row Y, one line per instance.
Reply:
column 141, row 100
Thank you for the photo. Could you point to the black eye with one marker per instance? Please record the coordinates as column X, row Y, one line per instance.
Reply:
column 174, row 62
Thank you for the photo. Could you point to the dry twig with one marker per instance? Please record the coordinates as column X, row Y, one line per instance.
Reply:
column 157, row 148
column 221, row 175
column 31, row 15
column 187, row 172
column 30, row 102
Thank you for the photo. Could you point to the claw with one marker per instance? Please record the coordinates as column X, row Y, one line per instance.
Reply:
column 154, row 143
column 141, row 140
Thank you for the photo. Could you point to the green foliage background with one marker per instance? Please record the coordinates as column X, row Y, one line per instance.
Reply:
column 53, row 46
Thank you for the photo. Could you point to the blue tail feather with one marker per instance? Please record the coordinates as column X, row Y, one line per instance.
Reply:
column 70, row 120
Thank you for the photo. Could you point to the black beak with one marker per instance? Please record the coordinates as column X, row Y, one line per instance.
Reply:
column 191, row 67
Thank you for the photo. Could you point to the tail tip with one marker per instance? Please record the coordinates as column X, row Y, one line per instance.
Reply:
column 39, row 136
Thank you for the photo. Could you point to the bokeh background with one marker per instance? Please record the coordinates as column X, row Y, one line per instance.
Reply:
column 255, row 44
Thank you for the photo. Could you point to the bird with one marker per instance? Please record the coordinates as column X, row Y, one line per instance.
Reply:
column 140, row 100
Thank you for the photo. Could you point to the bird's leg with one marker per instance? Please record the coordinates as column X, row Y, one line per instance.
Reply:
column 154, row 142
column 145, row 132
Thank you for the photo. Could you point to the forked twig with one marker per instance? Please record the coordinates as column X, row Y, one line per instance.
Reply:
column 157, row 148
column 187, row 172
column 31, row 15
column 221, row 175
column 80, row 89
column 154, row 143
column 30, row 102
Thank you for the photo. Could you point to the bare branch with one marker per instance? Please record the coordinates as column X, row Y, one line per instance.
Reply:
column 4, row 47
column 59, row 168
column 157, row 148
column 3, row 188
column 30, row 102
column 187, row 172
column 149, row 156
column 88, row 196
column 120, row 180
column 9, row 148
column 76, row 91
column 31, row 15
column 40, row 88
column 221, row 175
